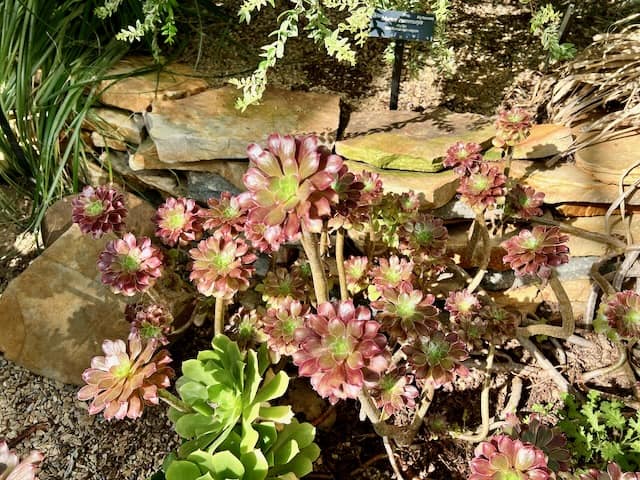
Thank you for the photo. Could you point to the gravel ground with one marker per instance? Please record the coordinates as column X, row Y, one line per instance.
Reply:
column 77, row 445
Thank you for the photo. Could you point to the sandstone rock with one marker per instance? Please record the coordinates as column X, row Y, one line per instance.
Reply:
column 590, row 210
column 207, row 126
column 136, row 93
column 438, row 188
column 608, row 161
column 103, row 141
column 57, row 219
column 566, row 183
column 146, row 158
column 55, row 315
column 457, row 247
column 163, row 181
column 408, row 140
column 545, row 140
column 582, row 247
column 527, row 298
column 115, row 123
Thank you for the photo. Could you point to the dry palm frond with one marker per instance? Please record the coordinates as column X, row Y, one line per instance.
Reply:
column 600, row 89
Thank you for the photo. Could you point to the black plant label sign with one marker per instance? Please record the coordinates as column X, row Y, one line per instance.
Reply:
column 399, row 25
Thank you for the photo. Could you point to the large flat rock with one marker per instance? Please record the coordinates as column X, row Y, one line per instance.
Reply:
column 136, row 92
column 409, row 140
column 608, row 161
column 207, row 126
column 55, row 315
column 567, row 183
column 545, row 140
column 438, row 188
column 582, row 247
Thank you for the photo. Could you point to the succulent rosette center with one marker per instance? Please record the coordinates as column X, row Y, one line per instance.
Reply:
column 290, row 183
column 94, row 208
column 337, row 346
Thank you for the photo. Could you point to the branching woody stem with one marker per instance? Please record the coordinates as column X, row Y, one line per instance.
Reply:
column 486, row 254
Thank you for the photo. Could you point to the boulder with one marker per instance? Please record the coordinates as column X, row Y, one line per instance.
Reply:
column 438, row 188
column 101, row 140
column 207, row 126
column 608, row 161
column 144, row 83
column 160, row 180
column 545, row 140
column 409, row 140
column 582, row 247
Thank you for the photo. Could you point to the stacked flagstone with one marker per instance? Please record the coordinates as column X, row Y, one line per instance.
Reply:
column 169, row 132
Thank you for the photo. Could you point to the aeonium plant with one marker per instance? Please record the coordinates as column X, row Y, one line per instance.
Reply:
column 369, row 327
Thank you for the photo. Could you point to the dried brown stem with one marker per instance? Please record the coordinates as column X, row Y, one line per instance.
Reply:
column 600, row 372
column 579, row 232
column 484, row 403
column 560, row 381
column 568, row 321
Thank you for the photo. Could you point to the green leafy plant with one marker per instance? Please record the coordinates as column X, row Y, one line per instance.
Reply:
column 545, row 24
column 231, row 430
column 158, row 16
column 600, row 431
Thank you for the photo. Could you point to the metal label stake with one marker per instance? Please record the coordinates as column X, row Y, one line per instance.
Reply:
column 401, row 26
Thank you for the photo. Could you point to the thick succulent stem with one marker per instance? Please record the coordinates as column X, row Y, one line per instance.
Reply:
column 342, row 276
column 218, row 321
column 173, row 401
column 508, row 157
column 600, row 372
column 568, row 321
column 484, row 403
column 317, row 271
